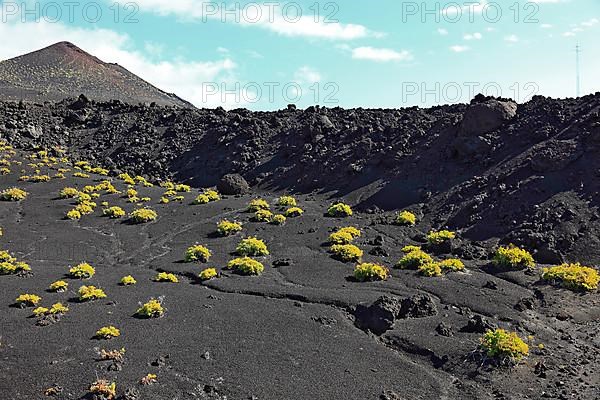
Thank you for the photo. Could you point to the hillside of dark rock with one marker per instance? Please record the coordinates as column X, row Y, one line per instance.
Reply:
column 496, row 171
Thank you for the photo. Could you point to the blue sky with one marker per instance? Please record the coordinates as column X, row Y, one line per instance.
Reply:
column 387, row 53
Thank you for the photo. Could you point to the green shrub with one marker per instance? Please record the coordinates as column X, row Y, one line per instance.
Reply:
column 246, row 266
column 344, row 235
column 28, row 300
column 107, row 332
column 151, row 309
column 127, row 281
column 513, row 257
column 207, row 197
column 212, row 195
column 13, row 194
column 73, row 214
column 68, row 193
column 339, row 210
column 286, row 201
column 227, row 228
column 87, row 293
column 197, row 253
column 346, row 252
column 59, row 286
column 82, row 271
column 208, row 274
column 370, row 272
column 440, row 237
column 83, row 198
column 262, row 216
column 501, row 344
column 430, row 269
column 414, row 260
column 406, row 218
column 56, row 309
column 294, row 212
column 166, row 277
column 201, row 199
column 12, row 266
column 6, row 256
column 142, row 215
column 410, row 249
column 452, row 264
column 278, row 219
column 114, row 212
column 252, row 246
column 573, row 276
column 182, row 188
column 258, row 204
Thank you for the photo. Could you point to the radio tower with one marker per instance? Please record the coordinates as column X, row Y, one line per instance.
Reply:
column 577, row 53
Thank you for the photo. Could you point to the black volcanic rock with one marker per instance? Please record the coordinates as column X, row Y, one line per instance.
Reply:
column 380, row 316
column 418, row 306
column 515, row 184
column 233, row 184
column 482, row 118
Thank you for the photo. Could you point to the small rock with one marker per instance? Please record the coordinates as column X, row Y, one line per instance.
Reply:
column 379, row 252
column 478, row 324
column 282, row 262
column 444, row 329
column 389, row 395
column 526, row 303
column 491, row 285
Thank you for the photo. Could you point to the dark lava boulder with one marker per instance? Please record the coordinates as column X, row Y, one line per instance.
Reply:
column 233, row 184
column 418, row 306
column 487, row 116
column 380, row 316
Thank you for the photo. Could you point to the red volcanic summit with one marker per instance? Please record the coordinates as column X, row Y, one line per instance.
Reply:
column 64, row 70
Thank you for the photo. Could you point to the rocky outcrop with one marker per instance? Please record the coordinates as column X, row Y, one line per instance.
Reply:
column 487, row 116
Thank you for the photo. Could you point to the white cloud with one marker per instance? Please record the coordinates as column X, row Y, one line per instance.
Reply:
column 185, row 78
column 154, row 49
column 459, row 48
column 254, row 54
column 307, row 75
column 442, row 31
column 272, row 18
column 576, row 28
column 511, row 38
column 473, row 36
column 590, row 22
column 380, row 54
column 546, row 26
